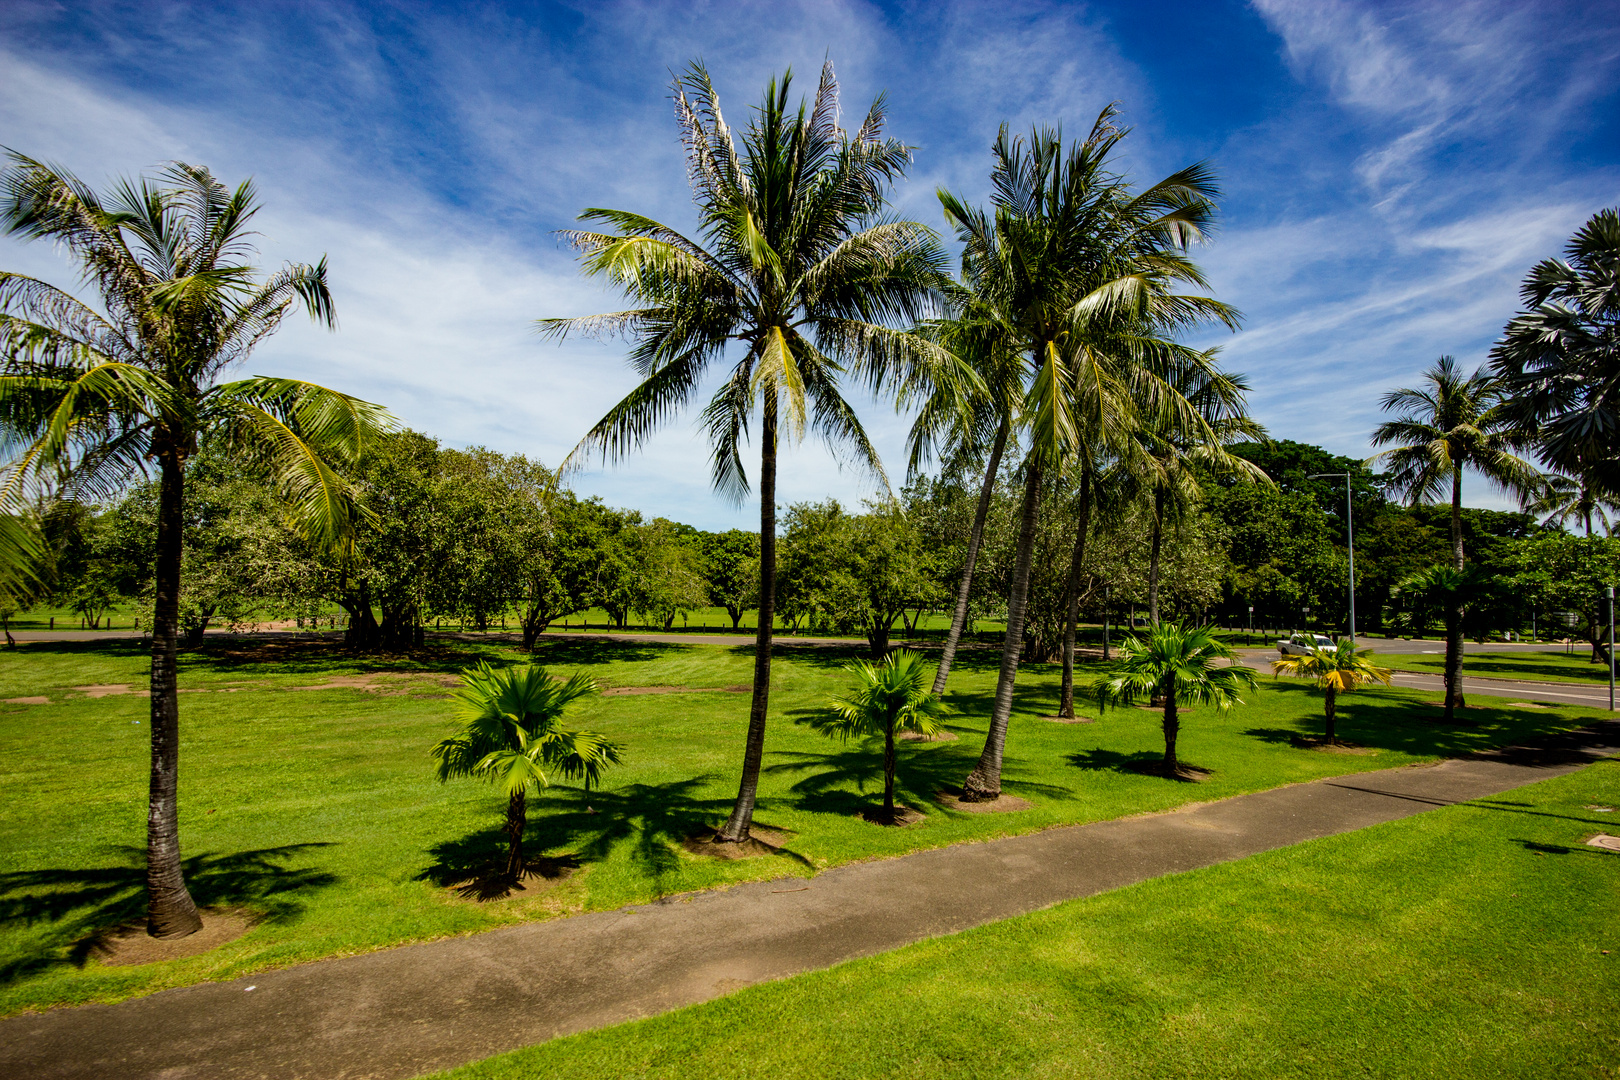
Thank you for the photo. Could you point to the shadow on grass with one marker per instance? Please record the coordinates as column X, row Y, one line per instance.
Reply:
column 1560, row 849
column 83, row 900
column 475, row 866
column 1138, row 763
column 649, row 821
column 1396, row 720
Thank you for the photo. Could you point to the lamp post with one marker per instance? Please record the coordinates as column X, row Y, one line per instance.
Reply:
column 1350, row 540
column 1609, row 593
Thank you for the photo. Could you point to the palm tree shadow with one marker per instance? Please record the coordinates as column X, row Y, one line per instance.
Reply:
column 81, row 902
column 1141, row 763
column 651, row 822
column 474, row 866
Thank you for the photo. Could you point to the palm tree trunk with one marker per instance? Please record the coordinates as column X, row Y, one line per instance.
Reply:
column 959, row 616
column 170, row 912
column 1172, row 726
column 1072, row 592
column 984, row 782
column 1454, row 630
column 888, row 773
column 742, row 814
column 1330, row 707
column 1153, row 556
column 517, row 817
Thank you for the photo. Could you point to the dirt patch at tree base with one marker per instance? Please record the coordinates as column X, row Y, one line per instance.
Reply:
column 1337, row 746
column 129, row 944
column 903, row 816
column 951, row 799
column 916, row 736
column 28, row 701
column 539, row 875
column 761, row 841
column 1069, row 719
column 1527, row 705
column 1187, row 774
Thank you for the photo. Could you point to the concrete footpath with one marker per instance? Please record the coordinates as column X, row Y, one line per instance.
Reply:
column 414, row 1009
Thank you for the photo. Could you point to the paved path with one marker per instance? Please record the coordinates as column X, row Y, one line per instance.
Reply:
column 410, row 1010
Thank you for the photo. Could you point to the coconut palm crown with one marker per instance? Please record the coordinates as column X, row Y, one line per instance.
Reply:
column 794, row 279
column 91, row 396
column 1337, row 670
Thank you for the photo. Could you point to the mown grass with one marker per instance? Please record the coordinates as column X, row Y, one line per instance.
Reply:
column 1575, row 667
column 1470, row 942
column 318, row 810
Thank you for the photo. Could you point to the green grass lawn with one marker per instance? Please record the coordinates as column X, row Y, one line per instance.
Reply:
column 1468, row 942
column 1573, row 667
column 318, row 809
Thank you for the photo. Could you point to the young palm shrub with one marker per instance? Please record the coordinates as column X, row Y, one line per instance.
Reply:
column 92, row 394
column 889, row 698
column 1337, row 670
column 797, row 278
column 1186, row 665
column 510, row 734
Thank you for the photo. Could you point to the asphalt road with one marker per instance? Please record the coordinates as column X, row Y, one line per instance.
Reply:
column 1596, row 697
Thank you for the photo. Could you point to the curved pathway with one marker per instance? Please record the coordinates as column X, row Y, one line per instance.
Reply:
column 410, row 1010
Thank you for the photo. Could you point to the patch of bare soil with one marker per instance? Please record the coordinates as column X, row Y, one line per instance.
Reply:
column 102, row 690
column 1187, row 774
column 1069, row 719
column 539, row 875
column 28, row 701
column 951, row 799
column 903, row 816
column 761, row 841
column 1527, row 705
column 917, row 736
column 1337, row 746
column 625, row 690
column 128, row 944
column 392, row 683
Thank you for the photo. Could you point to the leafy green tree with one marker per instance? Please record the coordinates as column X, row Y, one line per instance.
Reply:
column 1181, row 664
column 1449, row 424
column 730, row 562
column 1554, row 572
column 98, row 394
column 1280, row 548
column 558, row 565
column 1559, row 361
column 796, row 273
column 669, row 577
column 509, row 732
column 1337, row 670
column 890, row 697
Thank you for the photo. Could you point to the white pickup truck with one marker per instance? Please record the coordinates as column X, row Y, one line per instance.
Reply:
column 1302, row 644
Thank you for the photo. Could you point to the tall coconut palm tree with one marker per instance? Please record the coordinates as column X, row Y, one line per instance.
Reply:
column 1559, row 362
column 1338, row 670
column 1451, row 423
column 889, row 698
column 1069, row 270
column 795, row 274
column 509, row 733
column 96, row 395
column 1182, row 665
column 1567, row 500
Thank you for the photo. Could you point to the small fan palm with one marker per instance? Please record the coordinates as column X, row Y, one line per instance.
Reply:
column 1184, row 664
column 90, row 396
column 889, row 698
column 1337, row 670
column 510, row 735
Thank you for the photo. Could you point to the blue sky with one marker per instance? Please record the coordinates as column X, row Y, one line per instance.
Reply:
column 1390, row 172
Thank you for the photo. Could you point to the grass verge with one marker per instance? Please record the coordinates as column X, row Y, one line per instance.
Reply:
column 1468, row 942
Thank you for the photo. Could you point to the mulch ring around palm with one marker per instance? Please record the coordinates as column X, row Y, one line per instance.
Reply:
column 951, row 799
column 903, row 816
column 128, row 943
column 762, row 840
column 1336, row 746
column 539, row 874
column 1187, row 774
column 917, row 736
column 1069, row 719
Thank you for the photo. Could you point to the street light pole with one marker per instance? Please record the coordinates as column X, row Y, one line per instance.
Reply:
column 1610, row 593
column 1350, row 541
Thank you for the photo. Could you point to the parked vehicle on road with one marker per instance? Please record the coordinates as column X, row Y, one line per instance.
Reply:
column 1303, row 644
